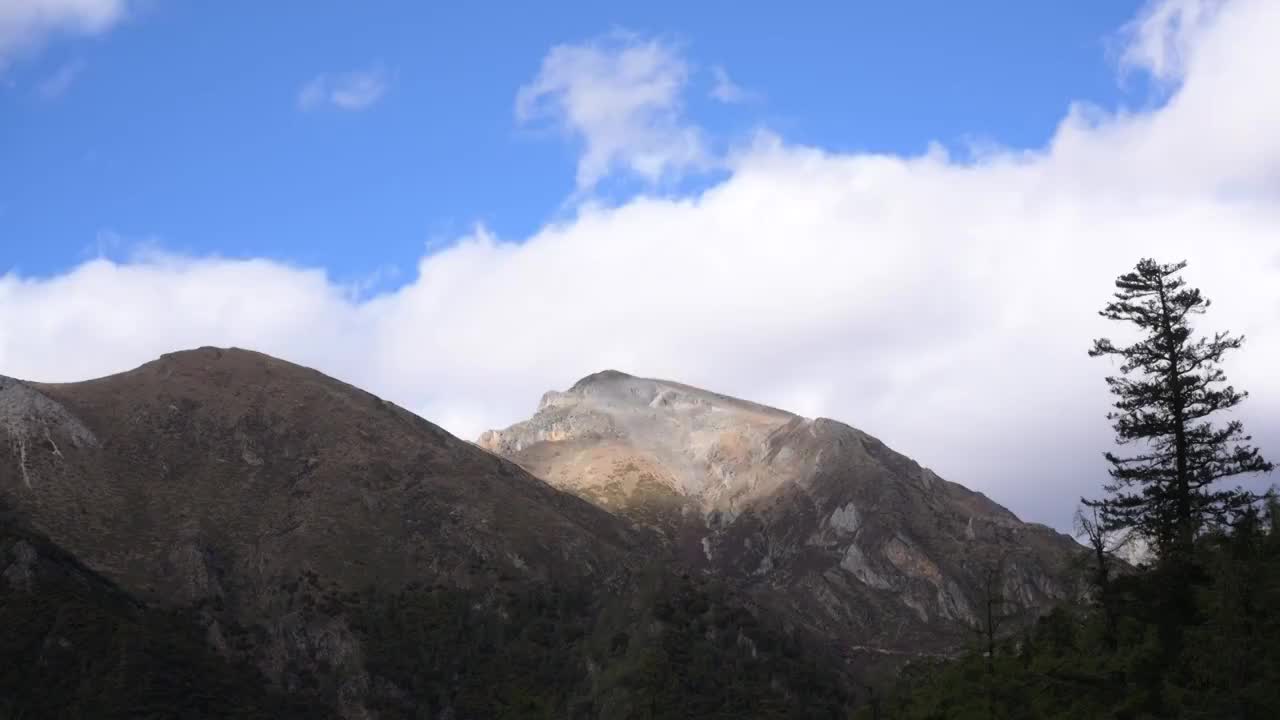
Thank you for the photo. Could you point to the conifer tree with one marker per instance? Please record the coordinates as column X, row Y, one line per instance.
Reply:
column 1170, row 385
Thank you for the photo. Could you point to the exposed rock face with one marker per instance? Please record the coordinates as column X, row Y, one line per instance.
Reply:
column 260, row 493
column 813, row 516
column 31, row 421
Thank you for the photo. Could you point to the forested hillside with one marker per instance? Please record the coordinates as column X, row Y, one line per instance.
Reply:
column 1222, row 662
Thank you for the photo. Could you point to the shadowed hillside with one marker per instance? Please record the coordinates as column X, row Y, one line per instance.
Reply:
column 353, row 554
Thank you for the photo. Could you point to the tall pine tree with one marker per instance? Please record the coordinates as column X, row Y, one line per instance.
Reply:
column 1170, row 384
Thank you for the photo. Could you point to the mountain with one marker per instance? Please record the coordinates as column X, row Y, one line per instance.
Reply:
column 309, row 541
column 812, row 517
column 76, row 645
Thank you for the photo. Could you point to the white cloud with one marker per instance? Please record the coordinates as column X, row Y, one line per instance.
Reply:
column 943, row 306
column 25, row 25
column 57, row 84
column 621, row 97
column 726, row 90
column 1163, row 36
column 354, row 90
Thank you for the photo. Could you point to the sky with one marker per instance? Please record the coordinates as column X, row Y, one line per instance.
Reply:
column 904, row 216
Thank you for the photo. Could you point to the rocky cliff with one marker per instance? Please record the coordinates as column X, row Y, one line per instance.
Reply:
column 812, row 516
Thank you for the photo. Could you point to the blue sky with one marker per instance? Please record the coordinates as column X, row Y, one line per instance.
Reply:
column 181, row 126
column 904, row 216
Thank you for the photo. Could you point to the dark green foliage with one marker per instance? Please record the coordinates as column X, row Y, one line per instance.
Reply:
column 663, row 646
column 1170, row 385
column 518, row 656
column 75, row 646
column 667, row 648
column 1194, row 634
column 1227, row 664
column 713, row 659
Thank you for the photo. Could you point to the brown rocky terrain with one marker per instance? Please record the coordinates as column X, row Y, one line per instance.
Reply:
column 217, row 516
column 810, row 516
column 225, row 512
column 254, row 490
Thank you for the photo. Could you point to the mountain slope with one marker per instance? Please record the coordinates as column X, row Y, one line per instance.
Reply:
column 815, row 517
column 359, row 556
column 76, row 645
column 251, row 489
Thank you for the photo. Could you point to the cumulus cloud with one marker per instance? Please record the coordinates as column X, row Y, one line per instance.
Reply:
column 355, row 90
column 620, row 96
column 26, row 24
column 942, row 305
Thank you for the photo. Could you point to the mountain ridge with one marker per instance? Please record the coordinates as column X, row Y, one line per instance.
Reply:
column 358, row 556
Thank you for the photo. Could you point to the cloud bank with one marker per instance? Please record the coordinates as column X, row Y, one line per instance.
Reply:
column 945, row 306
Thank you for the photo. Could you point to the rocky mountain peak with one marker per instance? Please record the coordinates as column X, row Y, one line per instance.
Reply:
column 699, row 439
column 833, row 515
column 601, row 378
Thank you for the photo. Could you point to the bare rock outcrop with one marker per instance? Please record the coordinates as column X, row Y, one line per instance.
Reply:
column 811, row 515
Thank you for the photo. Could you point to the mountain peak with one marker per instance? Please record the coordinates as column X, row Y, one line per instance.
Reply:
column 602, row 377
column 703, row 441
column 761, row 494
column 206, row 353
